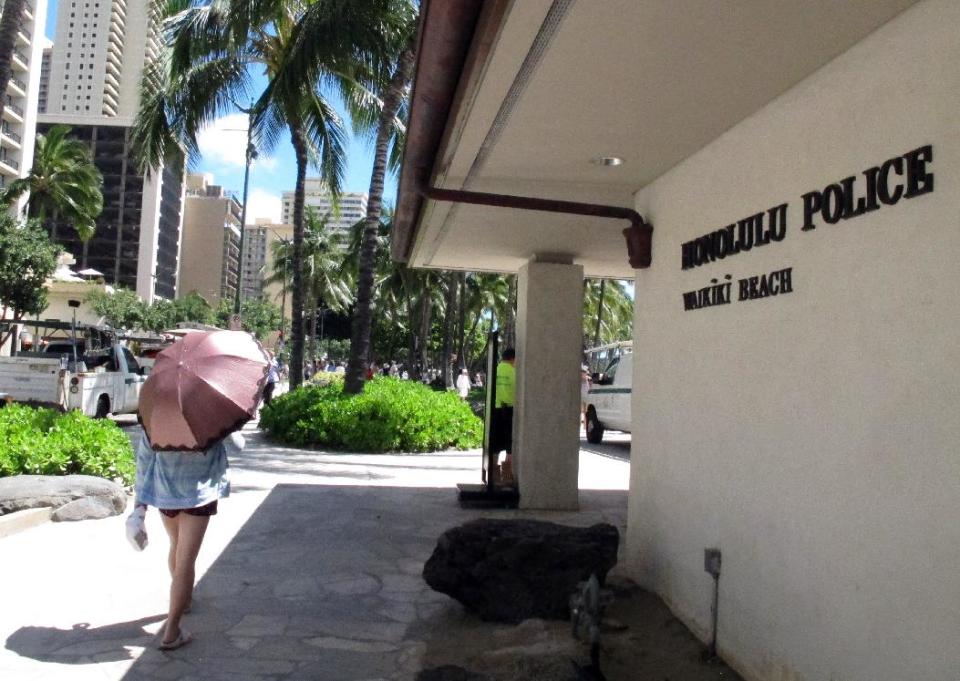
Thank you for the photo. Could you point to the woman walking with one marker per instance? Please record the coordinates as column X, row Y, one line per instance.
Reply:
column 201, row 391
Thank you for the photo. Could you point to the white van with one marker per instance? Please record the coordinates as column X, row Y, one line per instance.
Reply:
column 608, row 402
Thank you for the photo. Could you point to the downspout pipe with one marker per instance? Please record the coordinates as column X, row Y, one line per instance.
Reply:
column 638, row 235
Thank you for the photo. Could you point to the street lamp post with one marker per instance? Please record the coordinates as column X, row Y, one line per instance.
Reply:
column 251, row 154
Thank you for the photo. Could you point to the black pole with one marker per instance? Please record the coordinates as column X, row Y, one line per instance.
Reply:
column 251, row 154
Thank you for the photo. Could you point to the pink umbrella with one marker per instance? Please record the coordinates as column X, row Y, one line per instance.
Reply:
column 202, row 388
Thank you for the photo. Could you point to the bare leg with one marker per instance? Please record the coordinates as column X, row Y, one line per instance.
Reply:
column 190, row 533
column 171, row 526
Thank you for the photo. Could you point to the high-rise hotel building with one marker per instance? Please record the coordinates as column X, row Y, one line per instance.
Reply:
column 352, row 205
column 95, row 67
column 19, row 123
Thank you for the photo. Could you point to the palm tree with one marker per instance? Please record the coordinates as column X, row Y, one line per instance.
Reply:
column 305, row 49
column 394, row 92
column 63, row 183
column 327, row 281
column 10, row 22
column 607, row 311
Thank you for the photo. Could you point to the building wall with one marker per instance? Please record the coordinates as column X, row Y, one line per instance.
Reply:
column 353, row 205
column 258, row 260
column 19, row 126
column 211, row 238
column 812, row 436
column 136, row 243
column 98, row 55
column 45, row 66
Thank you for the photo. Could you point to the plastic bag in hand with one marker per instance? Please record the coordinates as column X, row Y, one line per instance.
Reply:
column 137, row 528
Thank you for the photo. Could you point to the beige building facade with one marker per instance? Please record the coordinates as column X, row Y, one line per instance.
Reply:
column 18, row 129
column 209, row 258
column 259, row 264
column 794, row 389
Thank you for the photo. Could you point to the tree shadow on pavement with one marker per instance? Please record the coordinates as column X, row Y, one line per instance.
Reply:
column 82, row 644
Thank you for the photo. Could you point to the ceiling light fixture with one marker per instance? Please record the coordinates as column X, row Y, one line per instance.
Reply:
column 608, row 161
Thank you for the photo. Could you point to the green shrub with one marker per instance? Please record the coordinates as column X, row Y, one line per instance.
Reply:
column 46, row 442
column 390, row 415
column 326, row 378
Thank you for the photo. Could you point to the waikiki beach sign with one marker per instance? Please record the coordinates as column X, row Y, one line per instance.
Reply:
column 900, row 177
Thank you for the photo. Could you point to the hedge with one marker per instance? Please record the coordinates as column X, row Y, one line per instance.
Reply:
column 389, row 415
column 47, row 442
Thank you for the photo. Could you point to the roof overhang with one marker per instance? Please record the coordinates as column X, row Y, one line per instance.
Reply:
column 520, row 98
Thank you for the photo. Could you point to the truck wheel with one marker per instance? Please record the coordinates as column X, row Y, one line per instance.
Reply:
column 103, row 407
column 594, row 427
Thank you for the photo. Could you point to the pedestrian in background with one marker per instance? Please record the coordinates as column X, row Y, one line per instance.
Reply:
column 273, row 377
column 501, row 421
column 463, row 384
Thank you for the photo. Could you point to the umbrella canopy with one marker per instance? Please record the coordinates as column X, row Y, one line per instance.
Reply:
column 202, row 388
column 90, row 272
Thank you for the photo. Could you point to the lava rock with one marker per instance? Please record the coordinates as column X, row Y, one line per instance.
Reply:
column 21, row 492
column 87, row 508
column 449, row 672
column 512, row 570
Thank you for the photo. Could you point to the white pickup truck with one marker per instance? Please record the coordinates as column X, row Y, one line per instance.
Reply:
column 608, row 401
column 109, row 380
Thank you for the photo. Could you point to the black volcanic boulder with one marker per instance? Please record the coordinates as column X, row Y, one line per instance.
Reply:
column 512, row 570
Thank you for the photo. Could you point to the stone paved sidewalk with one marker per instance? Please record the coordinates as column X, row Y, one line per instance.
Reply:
column 311, row 570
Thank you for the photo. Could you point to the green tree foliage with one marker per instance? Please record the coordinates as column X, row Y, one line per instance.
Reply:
column 121, row 308
column 159, row 316
column 306, row 50
column 63, row 183
column 259, row 317
column 27, row 259
column 607, row 312
column 192, row 308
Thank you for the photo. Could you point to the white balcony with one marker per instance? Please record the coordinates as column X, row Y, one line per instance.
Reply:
column 9, row 166
column 20, row 60
column 23, row 38
column 13, row 112
column 16, row 87
column 11, row 137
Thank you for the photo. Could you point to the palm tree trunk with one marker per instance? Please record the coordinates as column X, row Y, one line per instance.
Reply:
column 510, row 324
column 426, row 308
column 9, row 25
column 449, row 322
column 314, row 312
column 363, row 312
column 462, row 321
column 596, row 334
column 298, row 138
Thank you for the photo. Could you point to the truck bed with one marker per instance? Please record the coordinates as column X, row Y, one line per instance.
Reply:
column 32, row 379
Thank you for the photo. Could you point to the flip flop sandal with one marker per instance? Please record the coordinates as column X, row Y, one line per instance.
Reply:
column 181, row 640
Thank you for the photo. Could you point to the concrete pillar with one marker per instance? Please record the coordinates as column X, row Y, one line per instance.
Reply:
column 547, row 404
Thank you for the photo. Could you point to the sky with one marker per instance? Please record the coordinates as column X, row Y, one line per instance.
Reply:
column 222, row 155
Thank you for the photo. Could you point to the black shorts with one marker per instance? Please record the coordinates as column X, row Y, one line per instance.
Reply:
column 205, row 510
column 501, row 430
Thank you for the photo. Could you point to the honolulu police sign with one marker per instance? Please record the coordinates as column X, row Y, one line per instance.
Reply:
column 901, row 177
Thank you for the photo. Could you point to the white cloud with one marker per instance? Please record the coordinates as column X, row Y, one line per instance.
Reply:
column 263, row 204
column 224, row 142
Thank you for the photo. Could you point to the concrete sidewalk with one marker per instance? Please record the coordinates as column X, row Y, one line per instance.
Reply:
column 311, row 570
